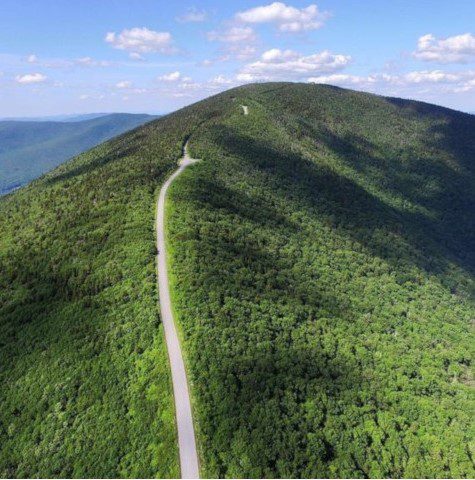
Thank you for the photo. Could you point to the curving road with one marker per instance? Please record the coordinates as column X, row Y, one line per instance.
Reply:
column 186, row 433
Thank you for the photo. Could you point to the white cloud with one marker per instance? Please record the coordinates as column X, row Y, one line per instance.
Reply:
column 188, row 84
column 416, row 77
column 244, row 53
column 343, row 79
column 136, row 56
column 238, row 42
column 65, row 63
column 245, row 77
column 287, row 18
column 235, row 34
column 185, row 87
column 456, row 49
column 30, row 78
column 90, row 97
column 193, row 15
column 49, row 63
column 124, row 84
column 434, row 76
column 288, row 64
column 87, row 61
column 138, row 41
column 466, row 86
column 437, row 80
column 90, row 62
column 221, row 80
column 170, row 77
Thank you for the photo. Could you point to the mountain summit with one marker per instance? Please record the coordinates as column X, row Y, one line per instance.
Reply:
column 322, row 260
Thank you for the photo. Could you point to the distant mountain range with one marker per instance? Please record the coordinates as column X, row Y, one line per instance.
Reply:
column 30, row 148
column 74, row 117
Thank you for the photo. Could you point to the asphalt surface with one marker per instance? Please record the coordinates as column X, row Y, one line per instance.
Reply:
column 184, row 419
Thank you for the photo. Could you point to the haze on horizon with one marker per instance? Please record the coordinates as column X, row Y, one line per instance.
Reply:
column 61, row 57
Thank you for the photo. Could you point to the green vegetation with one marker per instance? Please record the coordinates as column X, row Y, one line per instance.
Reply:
column 323, row 259
column 84, row 378
column 31, row 148
column 323, row 263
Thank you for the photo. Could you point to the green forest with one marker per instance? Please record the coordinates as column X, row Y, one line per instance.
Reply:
column 322, row 261
column 84, row 380
column 323, row 256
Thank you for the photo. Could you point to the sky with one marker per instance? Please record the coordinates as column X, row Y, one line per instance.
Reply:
column 154, row 56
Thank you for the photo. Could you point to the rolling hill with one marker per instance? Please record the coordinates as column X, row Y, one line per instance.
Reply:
column 322, row 261
column 30, row 148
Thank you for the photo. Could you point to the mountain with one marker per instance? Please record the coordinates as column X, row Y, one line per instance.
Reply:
column 31, row 148
column 322, row 260
column 57, row 118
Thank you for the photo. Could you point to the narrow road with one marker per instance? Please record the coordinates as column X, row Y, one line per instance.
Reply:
column 245, row 109
column 186, row 433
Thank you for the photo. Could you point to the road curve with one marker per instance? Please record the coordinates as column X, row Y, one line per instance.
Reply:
column 186, row 433
column 245, row 109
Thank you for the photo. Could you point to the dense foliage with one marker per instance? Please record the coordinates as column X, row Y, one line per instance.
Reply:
column 84, row 381
column 30, row 148
column 323, row 259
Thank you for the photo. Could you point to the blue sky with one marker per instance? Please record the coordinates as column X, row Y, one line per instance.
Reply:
column 59, row 56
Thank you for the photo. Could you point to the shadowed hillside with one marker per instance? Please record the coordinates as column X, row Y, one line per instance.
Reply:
column 322, row 258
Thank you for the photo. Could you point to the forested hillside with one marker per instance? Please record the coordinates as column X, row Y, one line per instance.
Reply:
column 84, row 380
column 322, row 257
column 31, row 148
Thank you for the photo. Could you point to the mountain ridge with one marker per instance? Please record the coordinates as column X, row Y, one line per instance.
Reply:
column 322, row 275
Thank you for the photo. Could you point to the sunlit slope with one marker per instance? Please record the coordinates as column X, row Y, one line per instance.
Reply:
column 323, row 258
column 84, row 379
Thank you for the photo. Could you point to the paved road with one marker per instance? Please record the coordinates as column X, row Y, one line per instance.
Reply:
column 184, row 419
column 245, row 109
